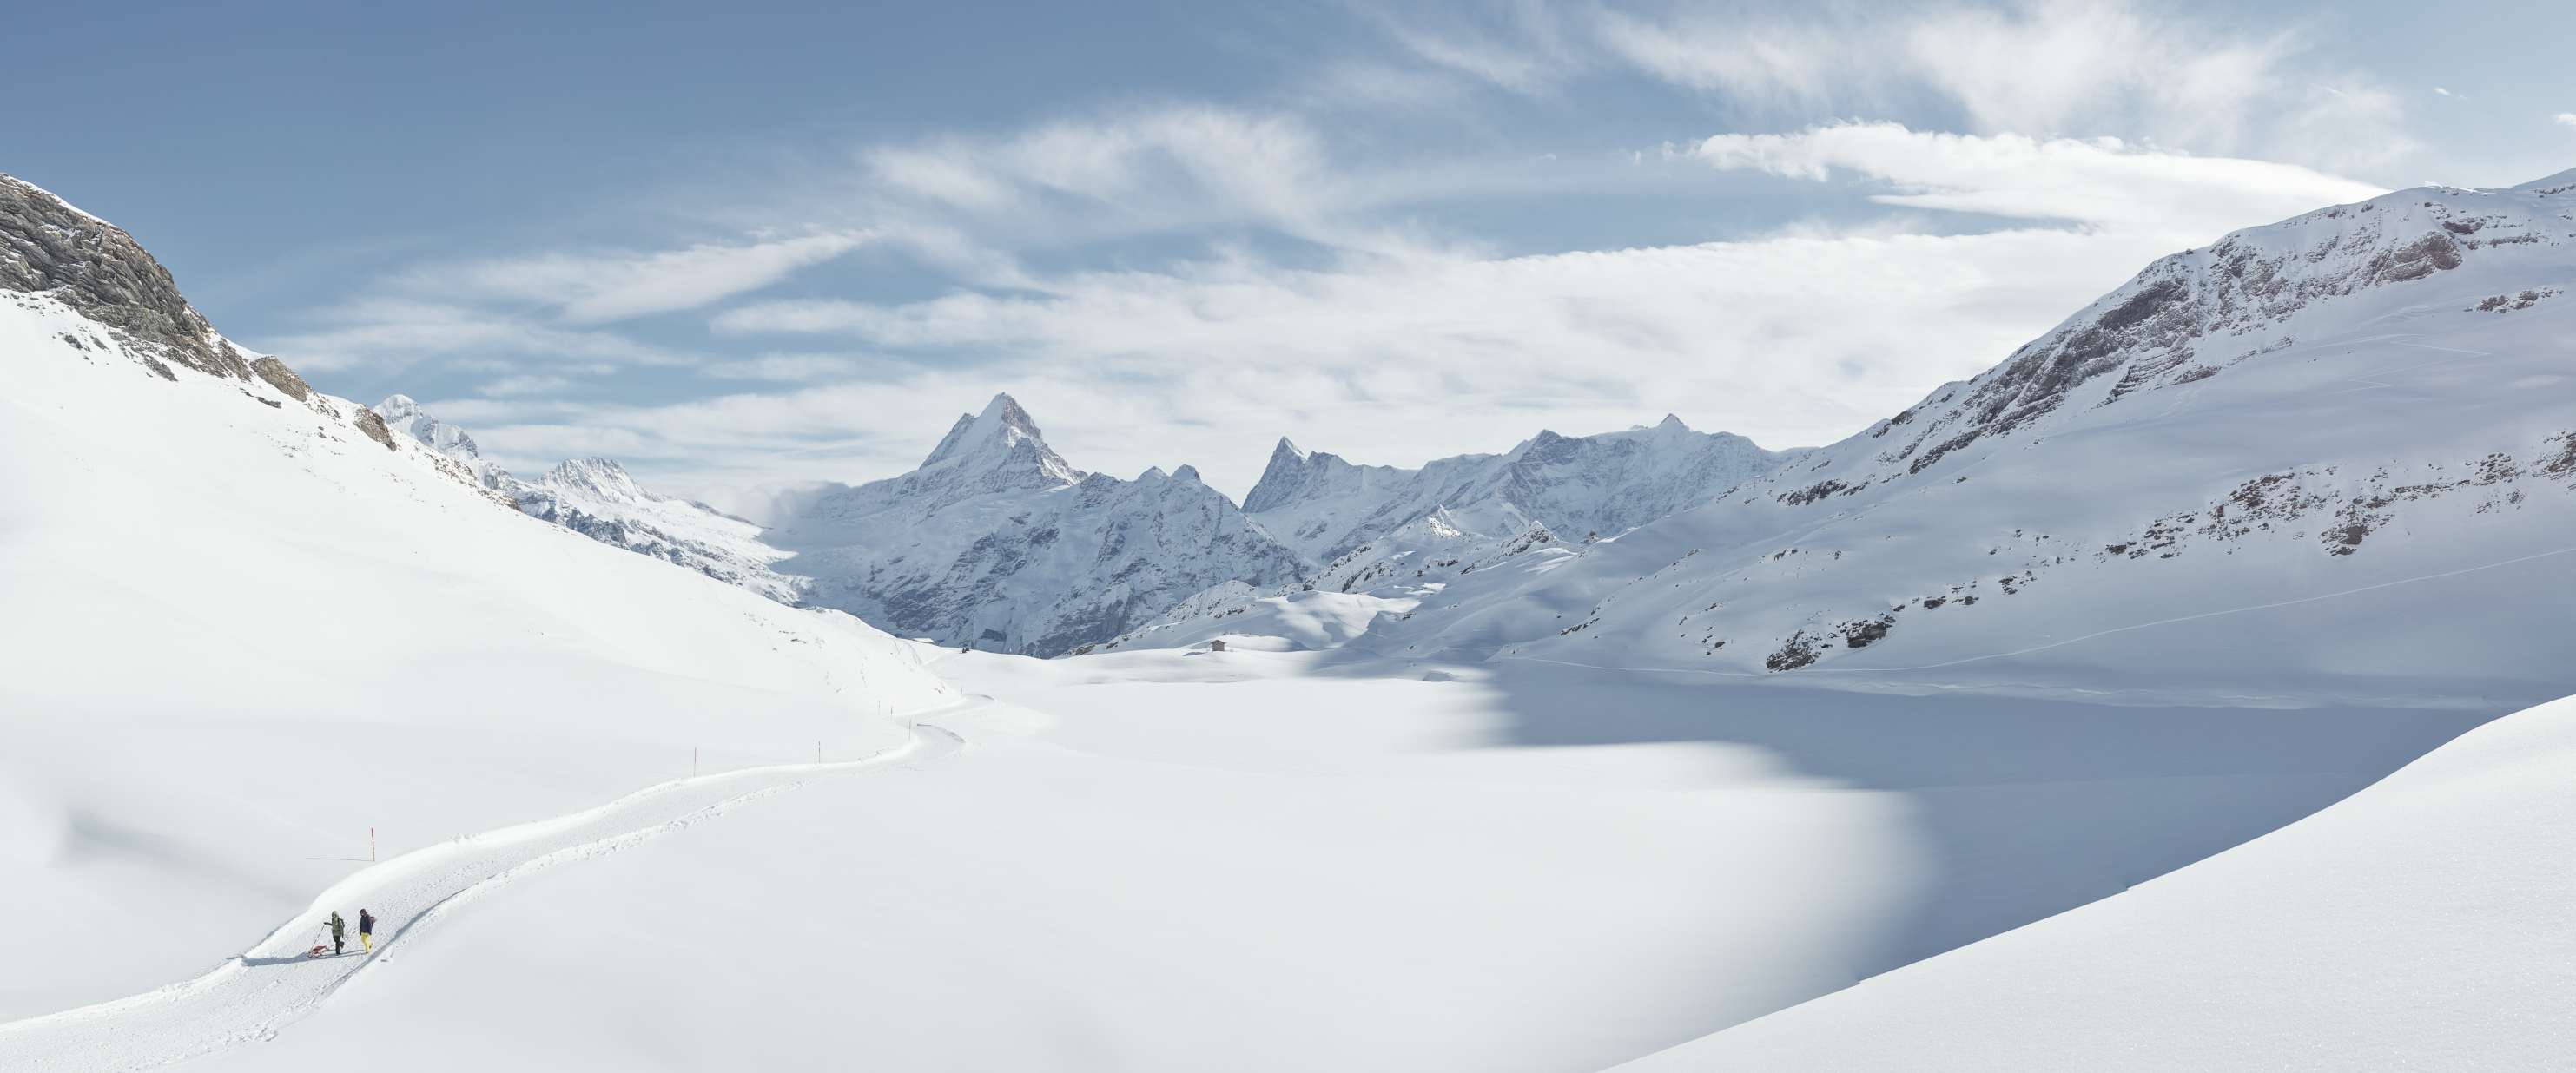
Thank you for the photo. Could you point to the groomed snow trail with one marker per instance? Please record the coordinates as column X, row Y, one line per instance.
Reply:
column 251, row 996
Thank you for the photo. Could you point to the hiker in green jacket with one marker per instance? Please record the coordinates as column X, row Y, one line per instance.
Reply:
column 339, row 932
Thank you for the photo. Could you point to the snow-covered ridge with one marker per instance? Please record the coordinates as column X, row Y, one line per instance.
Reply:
column 1573, row 486
column 1381, row 539
column 597, row 498
column 997, row 542
column 2360, row 410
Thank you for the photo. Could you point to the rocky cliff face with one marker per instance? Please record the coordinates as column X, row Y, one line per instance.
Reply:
column 997, row 542
column 103, row 274
column 56, row 257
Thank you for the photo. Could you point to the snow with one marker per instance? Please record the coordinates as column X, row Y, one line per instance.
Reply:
column 1997, row 673
column 2421, row 924
column 2306, row 465
column 998, row 542
column 1146, row 858
column 242, row 633
column 281, row 980
column 597, row 498
column 1574, row 486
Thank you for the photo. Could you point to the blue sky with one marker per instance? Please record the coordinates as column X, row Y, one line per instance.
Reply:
column 761, row 244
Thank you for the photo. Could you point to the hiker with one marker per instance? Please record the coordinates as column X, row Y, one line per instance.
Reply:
column 339, row 932
column 367, row 930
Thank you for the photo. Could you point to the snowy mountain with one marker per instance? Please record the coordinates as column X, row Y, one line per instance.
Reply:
column 597, row 498
column 1573, row 486
column 998, row 542
column 2367, row 404
column 247, row 624
column 406, row 417
column 1384, row 539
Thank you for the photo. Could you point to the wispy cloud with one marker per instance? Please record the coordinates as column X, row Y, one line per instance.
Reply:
column 2097, row 181
column 1227, row 271
column 786, row 368
column 597, row 288
column 2565, row 119
column 396, row 333
column 2034, row 67
column 1791, row 338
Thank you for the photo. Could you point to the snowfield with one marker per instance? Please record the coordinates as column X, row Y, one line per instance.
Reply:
column 2422, row 924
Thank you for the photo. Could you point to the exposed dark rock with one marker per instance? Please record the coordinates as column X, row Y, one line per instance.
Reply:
column 97, row 269
column 1798, row 651
column 374, row 427
column 1865, row 632
column 284, row 379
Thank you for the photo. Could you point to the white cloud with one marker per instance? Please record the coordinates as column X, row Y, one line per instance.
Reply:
column 785, row 368
column 525, row 384
column 1796, row 337
column 2039, row 67
column 1140, row 169
column 1766, row 63
column 393, row 333
column 2098, row 181
column 2566, row 119
column 596, row 288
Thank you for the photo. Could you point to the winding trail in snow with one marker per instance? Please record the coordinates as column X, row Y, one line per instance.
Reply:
column 251, row 996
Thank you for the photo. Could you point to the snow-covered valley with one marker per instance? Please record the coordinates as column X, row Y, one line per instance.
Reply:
column 1973, row 703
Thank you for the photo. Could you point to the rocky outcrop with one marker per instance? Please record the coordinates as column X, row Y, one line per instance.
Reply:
column 99, row 271
column 374, row 428
column 282, row 378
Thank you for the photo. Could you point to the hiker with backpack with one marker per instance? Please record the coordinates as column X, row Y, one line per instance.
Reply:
column 367, row 930
column 339, row 932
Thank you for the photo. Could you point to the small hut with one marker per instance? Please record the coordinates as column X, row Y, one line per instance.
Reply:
column 1216, row 646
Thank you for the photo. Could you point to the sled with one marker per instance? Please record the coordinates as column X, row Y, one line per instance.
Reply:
column 319, row 951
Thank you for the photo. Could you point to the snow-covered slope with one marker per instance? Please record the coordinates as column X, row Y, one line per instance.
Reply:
column 2420, row 924
column 996, row 541
column 597, row 498
column 247, row 624
column 2331, row 455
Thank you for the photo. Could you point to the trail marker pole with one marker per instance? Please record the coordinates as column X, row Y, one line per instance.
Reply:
column 818, row 752
column 693, row 761
column 371, row 844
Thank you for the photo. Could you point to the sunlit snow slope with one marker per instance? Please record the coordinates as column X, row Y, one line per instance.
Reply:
column 2420, row 924
column 2332, row 458
column 246, row 624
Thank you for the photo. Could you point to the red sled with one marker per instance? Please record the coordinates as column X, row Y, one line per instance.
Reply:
column 318, row 951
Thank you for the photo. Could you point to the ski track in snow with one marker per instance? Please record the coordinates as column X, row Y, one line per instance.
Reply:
column 251, row 996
